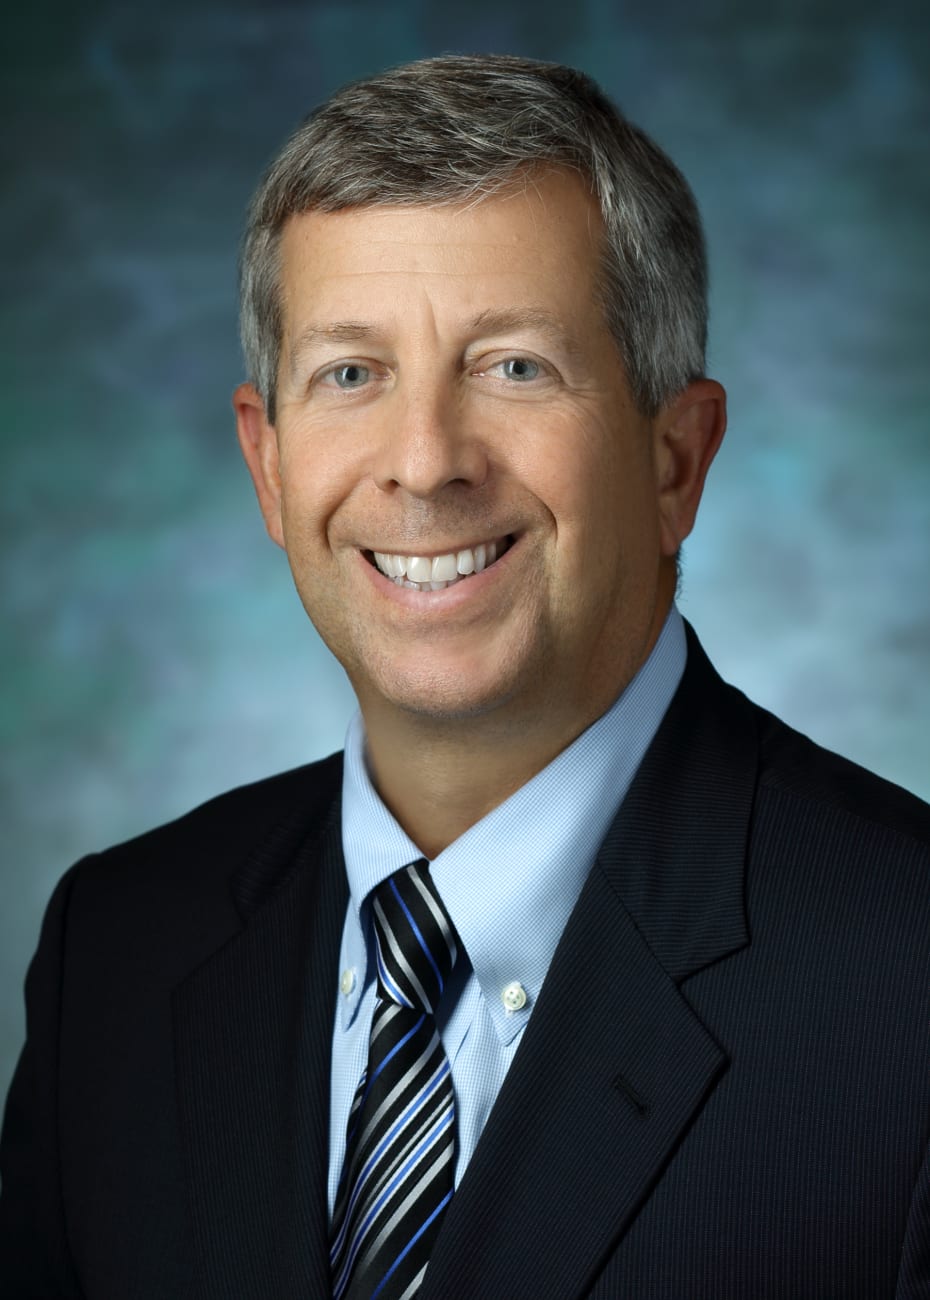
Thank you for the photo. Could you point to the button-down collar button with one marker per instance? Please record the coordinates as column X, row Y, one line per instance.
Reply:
column 347, row 982
column 514, row 996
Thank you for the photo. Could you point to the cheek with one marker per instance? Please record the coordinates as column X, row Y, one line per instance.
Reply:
column 315, row 485
column 610, row 511
column 581, row 480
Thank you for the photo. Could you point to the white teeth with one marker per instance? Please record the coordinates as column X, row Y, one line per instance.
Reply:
column 390, row 565
column 443, row 569
column 419, row 568
column 425, row 574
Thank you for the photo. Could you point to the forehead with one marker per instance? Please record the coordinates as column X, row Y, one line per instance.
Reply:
column 538, row 241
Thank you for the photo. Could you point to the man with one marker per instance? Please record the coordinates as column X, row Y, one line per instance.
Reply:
column 581, row 975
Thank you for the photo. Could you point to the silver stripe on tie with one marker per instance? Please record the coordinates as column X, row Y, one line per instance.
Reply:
column 439, row 917
column 398, row 1172
column 414, row 1286
column 406, row 1204
column 386, row 1170
column 389, row 939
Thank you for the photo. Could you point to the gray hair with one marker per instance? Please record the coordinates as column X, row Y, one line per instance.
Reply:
column 459, row 128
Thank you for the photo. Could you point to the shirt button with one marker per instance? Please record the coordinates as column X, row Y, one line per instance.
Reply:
column 347, row 982
column 514, row 996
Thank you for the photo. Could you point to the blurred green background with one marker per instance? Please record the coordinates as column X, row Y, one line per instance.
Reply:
column 154, row 652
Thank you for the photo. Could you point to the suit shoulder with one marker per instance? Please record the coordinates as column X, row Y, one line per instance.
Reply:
column 157, row 903
column 794, row 765
column 227, row 828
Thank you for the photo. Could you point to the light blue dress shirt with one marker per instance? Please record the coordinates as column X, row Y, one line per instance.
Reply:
column 509, row 884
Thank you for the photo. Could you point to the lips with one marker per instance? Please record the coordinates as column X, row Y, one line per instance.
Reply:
column 434, row 572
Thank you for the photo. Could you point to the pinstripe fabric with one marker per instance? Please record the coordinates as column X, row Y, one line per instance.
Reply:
column 400, row 1146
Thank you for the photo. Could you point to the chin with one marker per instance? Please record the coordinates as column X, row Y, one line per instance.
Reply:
column 447, row 710
column 444, row 696
column 451, row 704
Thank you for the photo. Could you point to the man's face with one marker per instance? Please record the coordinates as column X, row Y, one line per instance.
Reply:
column 448, row 384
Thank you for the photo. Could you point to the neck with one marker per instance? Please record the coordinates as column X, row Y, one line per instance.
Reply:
column 438, row 778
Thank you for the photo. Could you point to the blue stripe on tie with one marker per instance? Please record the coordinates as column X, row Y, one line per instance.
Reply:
column 363, row 1175
column 371, row 1082
column 425, row 1145
column 429, row 1140
column 407, row 1175
column 410, row 1245
column 421, row 1098
column 397, row 994
column 362, row 1229
column 416, row 930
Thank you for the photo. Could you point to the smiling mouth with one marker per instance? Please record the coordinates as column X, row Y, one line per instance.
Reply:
column 435, row 572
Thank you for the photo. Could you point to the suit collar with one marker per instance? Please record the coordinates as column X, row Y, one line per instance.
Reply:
column 676, row 853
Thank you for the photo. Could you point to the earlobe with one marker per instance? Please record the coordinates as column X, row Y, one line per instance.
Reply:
column 259, row 444
column 689, row 432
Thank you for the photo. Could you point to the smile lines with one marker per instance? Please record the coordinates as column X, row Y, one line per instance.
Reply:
column 425, row 573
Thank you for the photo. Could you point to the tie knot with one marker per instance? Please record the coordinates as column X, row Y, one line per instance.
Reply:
column 415, row 938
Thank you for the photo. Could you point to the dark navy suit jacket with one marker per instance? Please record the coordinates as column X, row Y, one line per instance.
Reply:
column 723, row 1092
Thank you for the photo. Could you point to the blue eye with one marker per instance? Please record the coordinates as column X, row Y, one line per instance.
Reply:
column 521, row 369
column 351, row 375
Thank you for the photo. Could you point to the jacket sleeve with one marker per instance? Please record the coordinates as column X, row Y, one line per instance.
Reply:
column 34, row 1257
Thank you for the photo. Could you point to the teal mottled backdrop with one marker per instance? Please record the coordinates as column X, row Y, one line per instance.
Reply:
column 154, row 652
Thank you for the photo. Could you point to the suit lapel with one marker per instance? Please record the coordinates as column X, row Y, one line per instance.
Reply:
column 253, row 1028
column 615, row 1066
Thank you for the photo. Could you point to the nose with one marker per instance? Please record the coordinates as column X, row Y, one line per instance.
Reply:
column 428, row 443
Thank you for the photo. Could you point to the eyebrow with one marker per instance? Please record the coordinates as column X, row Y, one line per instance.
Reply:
column 508, row 319
column 343, row 331
column 503, row 320
column 491, row 321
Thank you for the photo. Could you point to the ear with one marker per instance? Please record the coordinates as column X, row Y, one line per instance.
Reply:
column 688, row 432
column 259, row 444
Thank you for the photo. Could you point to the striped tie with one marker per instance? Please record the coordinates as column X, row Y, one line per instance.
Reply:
column 400, row 1145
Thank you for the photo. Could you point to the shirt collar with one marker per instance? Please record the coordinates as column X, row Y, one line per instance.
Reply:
column 510, row 882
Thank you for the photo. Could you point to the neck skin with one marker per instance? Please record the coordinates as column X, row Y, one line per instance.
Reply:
column 439, row 777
